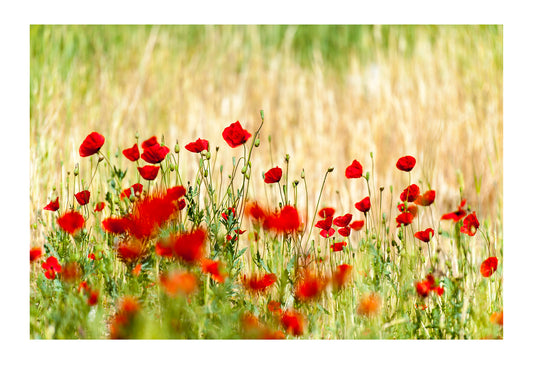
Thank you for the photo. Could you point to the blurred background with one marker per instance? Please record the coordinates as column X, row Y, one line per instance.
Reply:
column 330, row 94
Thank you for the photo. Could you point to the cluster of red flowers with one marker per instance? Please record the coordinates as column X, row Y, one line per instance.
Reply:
column 286, row 220
column 342, row 222
column 424, row 287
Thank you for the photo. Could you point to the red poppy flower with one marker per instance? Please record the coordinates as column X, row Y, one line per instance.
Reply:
column 53, row 205
column 327, row 233
column 235, row 135
column 131, row 252
column 189, row 247
column 345, row 232
column 325, row 224
column 259, row 283
column 410, row 193
column 470, row 224
column 215, row 269
column 51, row 267
column 274, row 307
column 285, row 221
column 181, row 204
column 71, row 222
column 412, row 209
column 91, row 144
column 456, row 215
column 35, row 253
column 326, row 212
column 357, row 225
column 198, row 146
column 355, row 170
column 226, row 214
column 273, row 175
column 149, row 142
column 489, row 266
column 255, row 211
column 155, row 154
column 293, row 322
column 176, row 192
column 132, row 153
column 406, row 163
column 115, row 225
column 425, row 235
column 137, row 189
column 338, row 246
column 404, row 218
column 148, row 172
column 91, row 256
column 92, row 300
column 176, row 283
column 341, row 276
column 423, row 288
column 71, row 272
column 343, row 221
column 83, row 197
column 369, row 304
column 99, row 207
column 309, row 287
column 363, row 205
column 426, row 199
column 122, row 321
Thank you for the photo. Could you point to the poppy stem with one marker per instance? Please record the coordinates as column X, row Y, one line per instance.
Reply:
column 317, row 204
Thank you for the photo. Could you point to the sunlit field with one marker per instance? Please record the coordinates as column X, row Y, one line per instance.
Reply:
column 286, row 182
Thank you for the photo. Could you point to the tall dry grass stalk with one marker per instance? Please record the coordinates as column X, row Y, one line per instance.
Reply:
column 442, row 105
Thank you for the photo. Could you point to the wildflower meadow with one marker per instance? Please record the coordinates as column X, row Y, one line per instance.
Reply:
column 262, row 229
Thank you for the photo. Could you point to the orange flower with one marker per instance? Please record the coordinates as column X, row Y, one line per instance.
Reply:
column 369, row 304
column 183, row 283
column 309, row 287
column 497, row 318
column 259, row 283
column 341, row 275
column 293, row 322
column 215, row 268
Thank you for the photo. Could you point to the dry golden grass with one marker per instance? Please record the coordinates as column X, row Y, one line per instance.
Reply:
column 442, row 104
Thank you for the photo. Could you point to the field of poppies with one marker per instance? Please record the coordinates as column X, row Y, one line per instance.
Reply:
column 160, row 257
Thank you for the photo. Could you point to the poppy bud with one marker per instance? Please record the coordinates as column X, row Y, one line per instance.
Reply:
column 208, row 155
column 247, row 174
column 330, row 169
column 205, row 173
column 76, row 170
column 303, row 174
column 243, row 170
column 171, row 167
column 295, row 183
column 256, row 143
column 262, row 114
column 101, row 158
column 176, row 148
